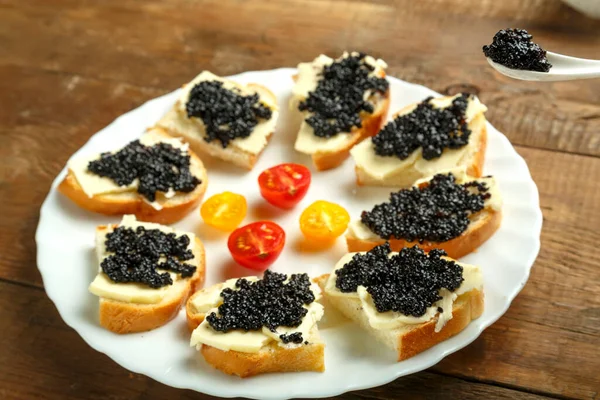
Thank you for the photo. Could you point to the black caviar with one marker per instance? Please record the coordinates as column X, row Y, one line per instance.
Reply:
column 295, row 337
column 137, row 254
column 436, row 212
column 269, row 302
column 226, row 113
column 431, row 128
column 159, row 168
column 513, row 48
column 335, row 105
column 408, row 282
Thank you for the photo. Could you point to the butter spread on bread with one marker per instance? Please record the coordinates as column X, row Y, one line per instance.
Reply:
column 94, row 184
column 178, row 120
column 492, row 200
column 216, row 332
column 308, row 78
column 134, row 292
column 396, row 171
column 472, row 279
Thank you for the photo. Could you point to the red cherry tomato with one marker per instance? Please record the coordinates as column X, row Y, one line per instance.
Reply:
column 256, row 245
column 284, row 185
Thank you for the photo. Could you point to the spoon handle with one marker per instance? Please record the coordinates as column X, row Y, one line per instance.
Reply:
column 572, row 67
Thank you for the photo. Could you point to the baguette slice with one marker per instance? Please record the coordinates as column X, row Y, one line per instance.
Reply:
column 173, row 209
column 472, row 160
column 177, row 124
column 412, row 340
column 270, row 358
column 371, row 124
column 483, row 225
column 124, row 317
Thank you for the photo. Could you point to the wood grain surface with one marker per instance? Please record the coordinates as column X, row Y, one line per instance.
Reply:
column 69, row 67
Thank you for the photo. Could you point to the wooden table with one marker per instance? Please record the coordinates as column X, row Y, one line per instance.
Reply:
column 69, row 67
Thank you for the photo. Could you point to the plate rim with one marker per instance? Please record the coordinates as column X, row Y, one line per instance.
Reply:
column 337, row 390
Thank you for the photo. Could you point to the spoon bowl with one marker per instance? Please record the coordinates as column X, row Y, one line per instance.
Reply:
column 564, row 68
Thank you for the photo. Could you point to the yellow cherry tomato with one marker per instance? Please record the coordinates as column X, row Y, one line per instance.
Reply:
column 323, row 220
column 224, row 211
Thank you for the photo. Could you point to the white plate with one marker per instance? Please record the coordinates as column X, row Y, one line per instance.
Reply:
column 353, row 361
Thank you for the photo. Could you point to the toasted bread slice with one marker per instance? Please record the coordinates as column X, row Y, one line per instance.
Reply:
column 177, row 124
column 472, row 160
column 272, row 357
column 483, row 225
column 173, row 209
column 371, row 124
column 124, row 317
column 412, row 339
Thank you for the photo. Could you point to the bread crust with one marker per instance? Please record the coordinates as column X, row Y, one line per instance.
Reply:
column 467, row 307
column 236, row 156
column 121, row 317
column 475, row 235
column 173, row 209
column 308, row 357
column 194, row 319
column 476, row 167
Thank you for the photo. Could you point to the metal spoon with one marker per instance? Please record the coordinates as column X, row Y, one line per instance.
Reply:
column 564, row 68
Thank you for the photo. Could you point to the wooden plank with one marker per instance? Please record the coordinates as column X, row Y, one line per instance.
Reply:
column 537, row 11
column 427, row 385
column 41, row 358
column 565, row 280
column 238, row 36
column 34, row 98
column 532, row 357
